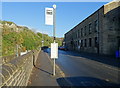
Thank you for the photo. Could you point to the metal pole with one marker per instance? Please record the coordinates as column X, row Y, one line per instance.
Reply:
column 54, row 21
column 54, row 31
column 54, row 67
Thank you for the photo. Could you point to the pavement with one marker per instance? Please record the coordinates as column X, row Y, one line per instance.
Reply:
column 42, row 73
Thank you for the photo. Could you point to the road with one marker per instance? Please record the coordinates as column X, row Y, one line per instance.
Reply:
column 83, row 71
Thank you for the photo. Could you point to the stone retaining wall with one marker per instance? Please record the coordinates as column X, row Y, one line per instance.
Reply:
column 7, row 59
column 18, row 70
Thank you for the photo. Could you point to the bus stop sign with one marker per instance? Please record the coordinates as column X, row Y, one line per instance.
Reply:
column 54, row 50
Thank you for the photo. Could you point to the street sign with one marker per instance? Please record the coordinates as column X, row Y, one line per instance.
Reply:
column 54, row 50
column 49, row 16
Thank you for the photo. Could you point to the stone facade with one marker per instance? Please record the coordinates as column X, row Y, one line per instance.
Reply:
column 98, row 33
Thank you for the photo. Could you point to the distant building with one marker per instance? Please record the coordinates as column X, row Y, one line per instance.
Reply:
column 98, row 33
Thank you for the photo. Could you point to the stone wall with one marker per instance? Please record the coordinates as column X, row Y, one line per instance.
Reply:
column 7, row 59
column 78, row 38
column 98, row 33
column 111, row 30
column 17, row 71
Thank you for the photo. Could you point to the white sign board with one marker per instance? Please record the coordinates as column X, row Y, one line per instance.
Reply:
column 49, row 16
column 54, row 50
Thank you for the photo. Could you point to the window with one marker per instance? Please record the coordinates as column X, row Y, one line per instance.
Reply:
column 90, row 28
column 85, row 31
column 113, row 19
column 75, row 35
column 81, row 43
column 78, row 42
column 85, row 43
column 96, row 41
column 96, row 26
column 90, row 42
column 78, row 34
column 81, row 32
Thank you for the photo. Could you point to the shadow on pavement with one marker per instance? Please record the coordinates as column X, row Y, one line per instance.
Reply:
column 85, row 82
column 43, row 70
column 38, row 67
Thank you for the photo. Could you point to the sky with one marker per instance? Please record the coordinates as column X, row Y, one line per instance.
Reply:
column 32, row 14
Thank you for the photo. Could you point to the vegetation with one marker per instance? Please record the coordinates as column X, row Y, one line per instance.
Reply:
column 25, row 38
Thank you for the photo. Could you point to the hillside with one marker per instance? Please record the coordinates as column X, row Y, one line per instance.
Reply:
column 14, row 36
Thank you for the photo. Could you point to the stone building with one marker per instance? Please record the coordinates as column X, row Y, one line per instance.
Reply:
column 98, row 33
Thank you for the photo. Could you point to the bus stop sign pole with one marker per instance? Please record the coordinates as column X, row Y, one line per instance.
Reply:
column 54, row 31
